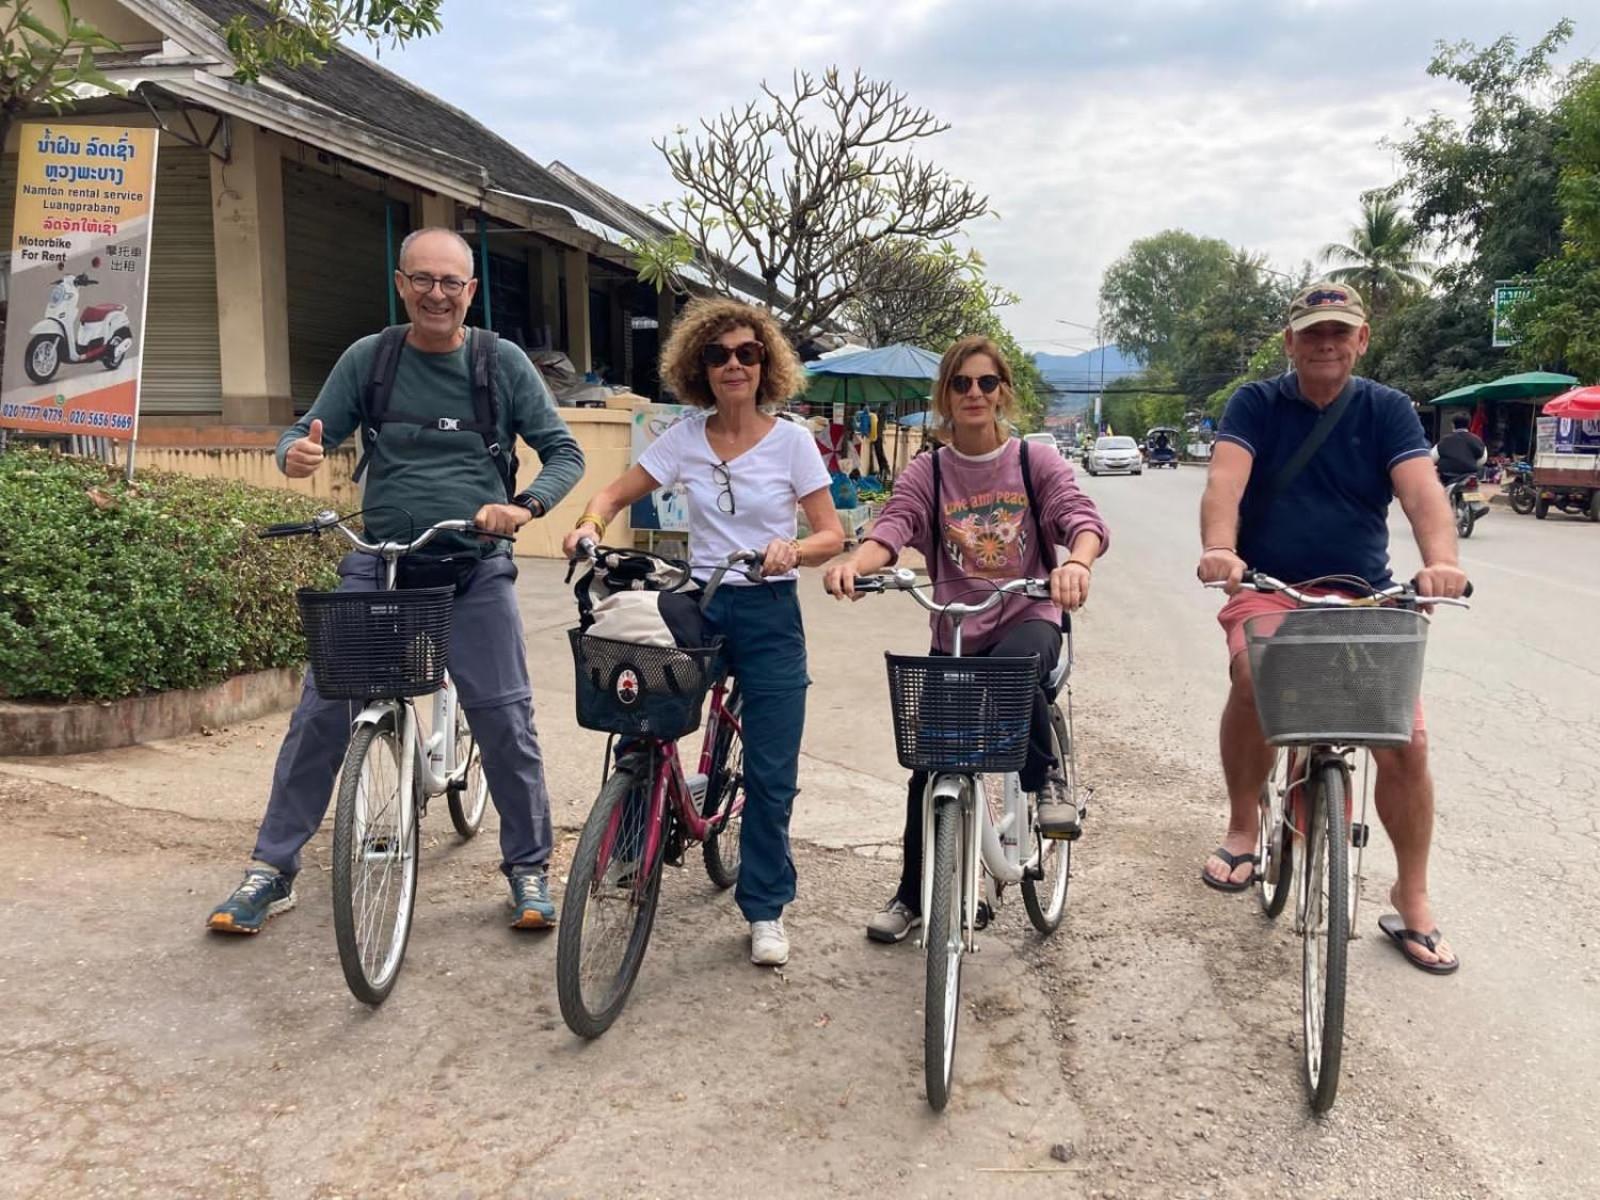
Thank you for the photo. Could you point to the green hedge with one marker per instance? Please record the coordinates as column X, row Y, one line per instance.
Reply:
column 109, row 589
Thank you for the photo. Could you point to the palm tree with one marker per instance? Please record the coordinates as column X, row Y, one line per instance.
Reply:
column 1379, row 258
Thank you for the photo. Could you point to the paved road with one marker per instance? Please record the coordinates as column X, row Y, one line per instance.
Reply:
column 1154, row 1035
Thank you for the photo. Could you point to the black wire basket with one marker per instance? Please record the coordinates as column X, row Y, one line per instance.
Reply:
column 962, row 714
column 371, row 645
column 639, row 690
column 1339, row 676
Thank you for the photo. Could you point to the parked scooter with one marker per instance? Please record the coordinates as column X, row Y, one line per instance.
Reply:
column 1466, row 503
column 1519, row 490
column 101, row 333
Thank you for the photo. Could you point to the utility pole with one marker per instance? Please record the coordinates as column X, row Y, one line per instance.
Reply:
column 1100, row 348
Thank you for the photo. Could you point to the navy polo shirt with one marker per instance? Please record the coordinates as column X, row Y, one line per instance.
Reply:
column 1333, row 517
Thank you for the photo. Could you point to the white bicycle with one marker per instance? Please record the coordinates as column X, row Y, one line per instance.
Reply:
column 966, row 721
column 383, row 648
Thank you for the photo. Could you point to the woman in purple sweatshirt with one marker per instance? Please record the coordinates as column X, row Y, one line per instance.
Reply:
column 977, row 531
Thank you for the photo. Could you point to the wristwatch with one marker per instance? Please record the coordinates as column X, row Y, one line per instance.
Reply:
column 530, row 502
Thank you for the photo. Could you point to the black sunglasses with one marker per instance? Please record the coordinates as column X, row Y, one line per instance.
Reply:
column 962, row 384
column 723, row 478
column 715, row 354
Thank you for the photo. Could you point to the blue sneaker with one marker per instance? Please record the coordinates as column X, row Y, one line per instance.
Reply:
column 263, row 894
column 530, row 901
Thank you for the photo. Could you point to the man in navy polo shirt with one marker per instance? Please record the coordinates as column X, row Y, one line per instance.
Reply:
column 1329, row 519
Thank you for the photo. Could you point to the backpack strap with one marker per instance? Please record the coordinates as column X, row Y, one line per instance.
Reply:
column 485, row 360
column 380, row 385
column 938, row 521
column 1046, row 550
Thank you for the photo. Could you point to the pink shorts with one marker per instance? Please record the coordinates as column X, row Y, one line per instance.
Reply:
column 1248, row 603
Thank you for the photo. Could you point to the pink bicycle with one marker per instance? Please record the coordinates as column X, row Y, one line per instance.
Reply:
column 648, row 812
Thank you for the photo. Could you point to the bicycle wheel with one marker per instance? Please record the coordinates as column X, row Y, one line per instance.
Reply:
column 468, row 801
column 374, row 863
column 1325, row 933
column 609, row 907
column 1275, row 838
column 942, row 936
column 1045, row 898
column 725, row 799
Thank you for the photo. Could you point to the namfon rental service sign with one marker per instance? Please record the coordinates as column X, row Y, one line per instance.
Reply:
column 80, row 258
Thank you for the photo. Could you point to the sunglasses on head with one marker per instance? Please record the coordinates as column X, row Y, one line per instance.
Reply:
column 715, row 354
column 962, row 384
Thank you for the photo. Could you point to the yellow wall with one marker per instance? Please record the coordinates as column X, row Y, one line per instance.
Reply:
column 603, row 433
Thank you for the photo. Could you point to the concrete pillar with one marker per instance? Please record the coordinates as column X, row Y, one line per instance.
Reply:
column 575, row 269
column 252, row 289
column 544, row 289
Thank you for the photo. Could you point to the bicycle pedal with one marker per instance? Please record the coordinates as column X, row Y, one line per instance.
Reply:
column 1359, row 833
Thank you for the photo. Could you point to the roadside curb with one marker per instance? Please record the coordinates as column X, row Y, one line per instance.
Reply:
column 40, row 730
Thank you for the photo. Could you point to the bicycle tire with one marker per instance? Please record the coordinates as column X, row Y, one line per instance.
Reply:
column 942, row 933
column 1327, row 883
column 468, row 802
column 725, row 790
column 1275, row 838
column 372, row 942
column 591, row 892
column 1046, row 898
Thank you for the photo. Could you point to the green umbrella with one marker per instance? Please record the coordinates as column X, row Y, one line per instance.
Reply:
column 1524, row 386
column 1461, row 395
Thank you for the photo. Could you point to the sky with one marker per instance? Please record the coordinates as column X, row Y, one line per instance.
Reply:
column 1087, row 124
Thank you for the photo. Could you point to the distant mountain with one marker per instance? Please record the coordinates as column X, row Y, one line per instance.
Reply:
column 1073, row 378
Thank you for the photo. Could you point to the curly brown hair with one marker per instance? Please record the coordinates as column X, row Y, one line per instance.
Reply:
column 964, row 349
column 704, row 321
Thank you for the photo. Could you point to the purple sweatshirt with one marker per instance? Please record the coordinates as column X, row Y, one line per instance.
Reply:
column 986, row 531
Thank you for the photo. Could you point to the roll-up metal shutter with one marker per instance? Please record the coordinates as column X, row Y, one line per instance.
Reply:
column 182, row 370
column 8, row 199
column 338, row 271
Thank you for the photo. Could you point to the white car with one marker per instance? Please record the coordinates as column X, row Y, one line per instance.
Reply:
column 1112, row 455
column 1045, row 441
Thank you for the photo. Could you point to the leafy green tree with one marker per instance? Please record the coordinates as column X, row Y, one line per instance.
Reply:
column 44, row 62
column 1380, row 259
column 1145, row 294
column 1436, row 343
column 1217, row 337
column 297, row 33
column 1268, row 360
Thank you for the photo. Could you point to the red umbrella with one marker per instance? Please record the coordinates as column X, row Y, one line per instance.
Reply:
column 1579, row 402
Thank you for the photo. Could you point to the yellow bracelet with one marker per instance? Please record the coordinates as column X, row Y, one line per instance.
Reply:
column 594, row 519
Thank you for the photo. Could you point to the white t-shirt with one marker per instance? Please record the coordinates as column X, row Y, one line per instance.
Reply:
column 766, row 481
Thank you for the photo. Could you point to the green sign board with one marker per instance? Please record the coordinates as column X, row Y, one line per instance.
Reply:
column 1506, row 297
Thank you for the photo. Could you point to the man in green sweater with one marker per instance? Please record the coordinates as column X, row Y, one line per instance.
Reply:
column 425, row 467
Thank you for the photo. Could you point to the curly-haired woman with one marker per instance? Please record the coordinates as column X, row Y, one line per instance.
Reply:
column 976, row 509
column 744, row 471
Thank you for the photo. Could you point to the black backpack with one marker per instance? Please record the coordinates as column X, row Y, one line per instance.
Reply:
column 483, row 355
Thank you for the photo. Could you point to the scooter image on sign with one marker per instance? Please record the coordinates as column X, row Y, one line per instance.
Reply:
column 100, row 333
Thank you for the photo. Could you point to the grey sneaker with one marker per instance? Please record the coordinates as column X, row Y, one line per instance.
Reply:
column 1058, row 816
column 769, row 944
column 892, row 922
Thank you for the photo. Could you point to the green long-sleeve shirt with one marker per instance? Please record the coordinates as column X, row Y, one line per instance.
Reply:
column 435, row 474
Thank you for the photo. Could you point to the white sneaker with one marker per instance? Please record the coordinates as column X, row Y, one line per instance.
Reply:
column 769, row 944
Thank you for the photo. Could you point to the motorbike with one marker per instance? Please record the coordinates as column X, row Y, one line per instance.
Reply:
column 100, row 333
column 1519, row 490
column 1466, row 503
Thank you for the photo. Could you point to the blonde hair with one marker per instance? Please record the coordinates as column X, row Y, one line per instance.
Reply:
column 703, row 321
column 952, row 362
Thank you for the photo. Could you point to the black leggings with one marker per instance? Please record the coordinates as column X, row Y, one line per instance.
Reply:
column 1030, row 637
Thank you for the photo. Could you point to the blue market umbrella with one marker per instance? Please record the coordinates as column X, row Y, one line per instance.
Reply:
column 886, row 375
column 916, row 420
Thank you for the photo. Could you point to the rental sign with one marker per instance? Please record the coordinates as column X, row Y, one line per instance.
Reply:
column 80, row 258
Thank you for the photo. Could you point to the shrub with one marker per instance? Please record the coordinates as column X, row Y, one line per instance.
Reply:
column 108, row 589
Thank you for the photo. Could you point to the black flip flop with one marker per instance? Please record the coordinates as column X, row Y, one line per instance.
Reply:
column 1233, row 861
column 1393, row 925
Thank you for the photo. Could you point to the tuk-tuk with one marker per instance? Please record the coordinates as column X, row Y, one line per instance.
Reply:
column 1161, row 446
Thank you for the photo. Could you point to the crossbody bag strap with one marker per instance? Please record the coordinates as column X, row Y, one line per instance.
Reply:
column 938, row 521
column 1046, row 549
column 1327, row 422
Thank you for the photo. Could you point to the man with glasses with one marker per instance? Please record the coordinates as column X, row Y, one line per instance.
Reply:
column 1302, row 474
column 429, row 462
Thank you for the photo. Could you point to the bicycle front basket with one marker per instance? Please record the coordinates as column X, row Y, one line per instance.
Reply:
column 641, row 690
column 368, row 645
column 1345, row 676
column 962, row 714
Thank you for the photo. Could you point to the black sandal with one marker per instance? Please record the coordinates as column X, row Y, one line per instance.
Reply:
column 1233, row 861
column 1394, row 925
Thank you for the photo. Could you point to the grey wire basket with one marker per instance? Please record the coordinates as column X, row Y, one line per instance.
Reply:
column 1341, row 676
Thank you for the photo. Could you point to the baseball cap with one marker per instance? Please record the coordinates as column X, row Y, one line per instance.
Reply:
column 1326, row 302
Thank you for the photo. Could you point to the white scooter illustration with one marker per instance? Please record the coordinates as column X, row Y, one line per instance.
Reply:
column 101, row 333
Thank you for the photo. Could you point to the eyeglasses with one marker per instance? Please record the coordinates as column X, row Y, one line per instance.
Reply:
column 722, row 476
column 422, row 283
column 962, row 384
column 715, row 354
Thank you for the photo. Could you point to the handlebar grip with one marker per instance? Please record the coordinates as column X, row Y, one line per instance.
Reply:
column 489, row 533
column 277, row 531
column 869, row 583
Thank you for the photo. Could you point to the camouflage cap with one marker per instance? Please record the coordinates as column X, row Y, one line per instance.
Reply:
column 1326, row 302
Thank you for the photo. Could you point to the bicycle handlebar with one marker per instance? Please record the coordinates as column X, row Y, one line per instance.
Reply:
column 609, row 557
column 903, row 579
column 1405, row 594
column 330, row 520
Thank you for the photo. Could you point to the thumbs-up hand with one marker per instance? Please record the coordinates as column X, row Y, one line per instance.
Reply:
column 305, row 455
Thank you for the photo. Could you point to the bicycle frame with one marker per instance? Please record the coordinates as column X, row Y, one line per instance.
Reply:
column 427, row 767
column 1307, row 762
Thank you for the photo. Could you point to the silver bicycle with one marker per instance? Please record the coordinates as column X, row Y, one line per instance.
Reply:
column 966, row 722
column 382, row 649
